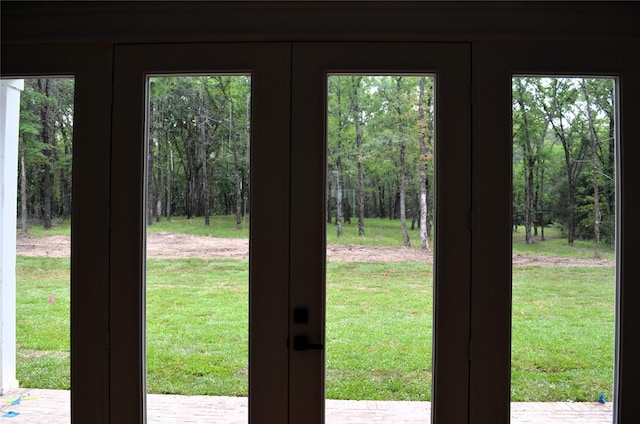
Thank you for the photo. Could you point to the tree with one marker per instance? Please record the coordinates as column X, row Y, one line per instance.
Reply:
column 29, row 131
column 356, row 81
column 530, row 131
column 200, row 141
column 207, row 126
column 397, row 95
column 46, row 134
column 234, row 93
column 560, row 110
column 425, row 130
column 338, row 117
column 593, row 138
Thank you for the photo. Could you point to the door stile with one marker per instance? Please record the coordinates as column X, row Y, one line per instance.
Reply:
column 269, row 239
column 308, row 241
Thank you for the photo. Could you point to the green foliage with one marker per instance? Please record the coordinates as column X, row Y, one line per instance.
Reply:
column 552, row 145
column 198, row 144
column 559, row 158
column 388, row 107
column 45, row 140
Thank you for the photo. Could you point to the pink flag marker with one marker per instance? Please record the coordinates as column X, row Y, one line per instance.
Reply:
column 50, row 299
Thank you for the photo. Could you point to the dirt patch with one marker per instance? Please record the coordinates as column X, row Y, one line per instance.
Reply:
column 519, row 260
column 169, row 245
column 52, row 246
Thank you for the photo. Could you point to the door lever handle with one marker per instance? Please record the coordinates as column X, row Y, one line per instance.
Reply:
column 302, row 343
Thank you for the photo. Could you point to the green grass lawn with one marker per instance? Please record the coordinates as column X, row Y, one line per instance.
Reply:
column 555, row 244
column 219, row 226
column 58, row 228
column 42, row 327
column 378, row 330
column 563, row 333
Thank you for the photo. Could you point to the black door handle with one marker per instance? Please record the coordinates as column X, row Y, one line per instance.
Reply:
column 302, row 343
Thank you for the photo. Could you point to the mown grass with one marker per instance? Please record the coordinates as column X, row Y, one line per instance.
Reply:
column 59, row 227
column 219, row 226
column 42, row 322
column 562, row 333
column 555, row 244
column 379, row 319
column 378, row 329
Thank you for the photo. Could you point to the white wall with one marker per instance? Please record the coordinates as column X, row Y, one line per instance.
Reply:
column 9, row 119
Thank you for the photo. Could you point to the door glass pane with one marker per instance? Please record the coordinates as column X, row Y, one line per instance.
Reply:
column 39, row 355
column 197, row 246
column 564, row 279
column 379, row 274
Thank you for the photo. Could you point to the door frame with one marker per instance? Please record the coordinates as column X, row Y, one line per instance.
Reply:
column 90, row 67
column 494, row 65
column 74, row 39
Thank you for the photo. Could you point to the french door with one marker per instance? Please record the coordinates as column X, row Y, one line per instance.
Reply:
column 448, row 67
column 108, row 243
column 267, row 67
column 288, row 231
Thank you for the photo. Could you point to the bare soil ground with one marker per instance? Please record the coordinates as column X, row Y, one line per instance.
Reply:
column 168, row 245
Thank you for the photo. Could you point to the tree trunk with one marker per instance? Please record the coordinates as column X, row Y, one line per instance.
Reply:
column 529, row 207
column 202, row 120
column 572, row 160
column 542, row 220
column 403, row 196
column 571, row 231
column 338, row 198
column 573, row 167
column 528, row 162
column 188, row 206
column 159, row 178
column 47, row 140
column 594, row 162
column 338, row 164
column 238, row 177
column 611, row 162
column 329, row 202
column 23, row 187
column 236, row 170
column 66, row 196
column 168, row 177
column 150, row 178
column 205, row 187
column 429, row 209
column 356, row 119
column 403, row 175
column 382, row 213
column 422, row 136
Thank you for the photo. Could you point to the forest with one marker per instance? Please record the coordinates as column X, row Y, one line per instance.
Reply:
column 380, row 149
column 564, row 157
